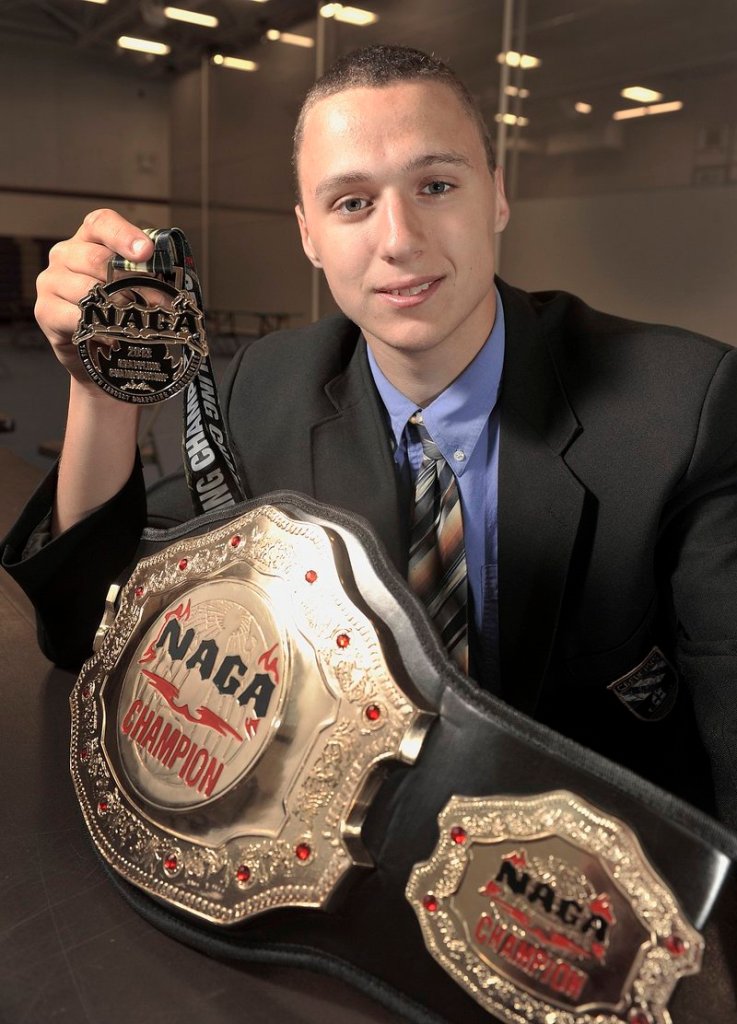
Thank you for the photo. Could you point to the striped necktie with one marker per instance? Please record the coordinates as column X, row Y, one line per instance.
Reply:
column 437, row 557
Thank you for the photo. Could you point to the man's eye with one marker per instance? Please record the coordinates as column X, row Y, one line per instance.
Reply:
column 438, row 188
column 353, row 205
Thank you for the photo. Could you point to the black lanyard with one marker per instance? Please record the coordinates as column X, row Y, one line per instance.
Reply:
column 209, row 465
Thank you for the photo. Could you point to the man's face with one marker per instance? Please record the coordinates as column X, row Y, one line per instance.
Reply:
column 400, row 210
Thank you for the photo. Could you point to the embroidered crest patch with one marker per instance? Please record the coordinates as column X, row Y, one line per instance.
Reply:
column 650, row 690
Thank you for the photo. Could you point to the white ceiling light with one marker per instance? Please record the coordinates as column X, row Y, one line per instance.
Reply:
column 236, row 63
column 512, row 119
column 350, row 15
column 640, row 94
column 512, row 90
column 518, row 60
column 289, row 37
column 143, row 45
column 583, row 108
column 655, row 108
column 96, row 1
column 191, row 17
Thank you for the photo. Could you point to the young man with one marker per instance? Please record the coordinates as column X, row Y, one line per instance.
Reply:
column 595, row 458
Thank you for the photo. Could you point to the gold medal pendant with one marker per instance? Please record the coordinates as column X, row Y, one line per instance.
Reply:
column 140, row 347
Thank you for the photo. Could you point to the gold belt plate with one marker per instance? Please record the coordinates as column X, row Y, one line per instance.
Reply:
column 228, row 730
column 546, row 911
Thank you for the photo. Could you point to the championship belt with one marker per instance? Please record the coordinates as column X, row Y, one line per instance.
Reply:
column 279, row 763
column 253, row 680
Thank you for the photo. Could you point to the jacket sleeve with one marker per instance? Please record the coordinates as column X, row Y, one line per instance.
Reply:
column 702, row 534
column 68, row 578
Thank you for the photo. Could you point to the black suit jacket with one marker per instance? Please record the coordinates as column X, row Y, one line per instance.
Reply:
column 617, row 517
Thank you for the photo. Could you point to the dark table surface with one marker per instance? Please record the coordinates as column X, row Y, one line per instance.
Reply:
column 71, row 950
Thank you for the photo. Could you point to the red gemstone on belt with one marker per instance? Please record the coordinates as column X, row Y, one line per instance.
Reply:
column 243, row 874
column 303, row 851
column 183, row 564
column 458, row 834
column 675, row 945
column 430, row 903
column 139, row 591
column 310, row 575
column 171, row 863
column 235, row 541
column 342, row 640
column 373, row 712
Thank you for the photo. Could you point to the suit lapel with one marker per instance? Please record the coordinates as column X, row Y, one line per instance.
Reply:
column 352, row 462
column 540, row 502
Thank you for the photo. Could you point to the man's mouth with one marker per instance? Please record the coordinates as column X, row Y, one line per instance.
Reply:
column 410, row 291
column 409, row 288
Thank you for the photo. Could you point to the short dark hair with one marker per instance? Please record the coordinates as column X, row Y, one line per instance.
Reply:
column 377, row 66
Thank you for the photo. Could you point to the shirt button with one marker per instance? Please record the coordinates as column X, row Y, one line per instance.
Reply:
column 459, row 456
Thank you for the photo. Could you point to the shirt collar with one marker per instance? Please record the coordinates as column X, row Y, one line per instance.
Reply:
column 457, row 416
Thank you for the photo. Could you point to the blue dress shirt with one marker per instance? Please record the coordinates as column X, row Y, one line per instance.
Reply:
column 464, row 423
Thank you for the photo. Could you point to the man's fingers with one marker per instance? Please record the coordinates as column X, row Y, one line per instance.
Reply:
column 75, row 266
column 108, row 228
column 56, row 307
column 66, row 284
column 86, row 258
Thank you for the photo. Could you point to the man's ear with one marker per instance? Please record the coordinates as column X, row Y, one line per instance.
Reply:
column 501, row 206
column 307, row 245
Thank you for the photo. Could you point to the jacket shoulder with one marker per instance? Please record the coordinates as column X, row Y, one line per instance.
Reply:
column 565, row 315
column 587, row 345
column 275, row 391
column 321, row 349
column 288, row 370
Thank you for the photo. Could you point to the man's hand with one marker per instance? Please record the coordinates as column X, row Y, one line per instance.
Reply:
column 75, row 266
column 100, row 440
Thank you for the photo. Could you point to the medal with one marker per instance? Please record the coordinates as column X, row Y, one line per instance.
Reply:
column 135, row 350
column 141, row 338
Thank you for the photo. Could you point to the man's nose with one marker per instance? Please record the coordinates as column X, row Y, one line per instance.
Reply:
column 402, row 229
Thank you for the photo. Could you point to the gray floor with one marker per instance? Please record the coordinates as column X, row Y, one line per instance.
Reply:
column 33, row 394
